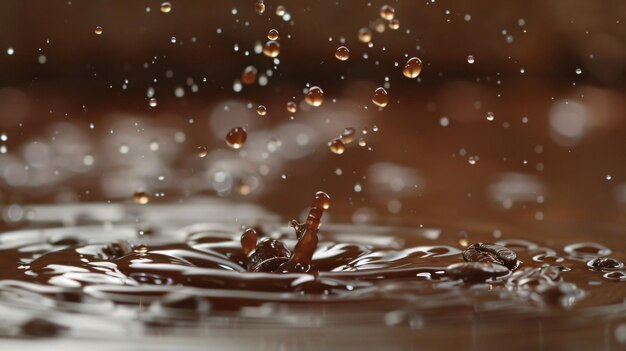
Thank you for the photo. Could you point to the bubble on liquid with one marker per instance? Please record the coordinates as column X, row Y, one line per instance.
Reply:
column 259, row 7
column 347, row 136
column 202, row 151
column 490, row 116
column 315, row 96
column 98, row 30
column 152, row 102
column 365, row 35
column 380, row 97
column 412, row 68
column 249, row 74
column 166, row 7
column 272, row 34
column 236, row 137
column 141, row 198
column 336, row 146
column 387, row 12
column 394, row 24
column 280, row 10
column 342, row 53
column 292, row 107
column 470, row 59
column 271, row 49
column 261, row 110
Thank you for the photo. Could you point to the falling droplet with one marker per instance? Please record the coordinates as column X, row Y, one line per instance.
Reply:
column 152, row 102
column 347, row 136
column 280, row 10
column 271, row 48
column 342, row 53
column 98, row 30
column 314, row 97
column 272, row 34
column 490, row 116
column 412, row 68
column 365, row 35
column 166, row 7
column 291, row 107
column 470, row 59
column 380, row 97
column 261, row 110
column 394, row 24
column 362, row 142
column 259, row 7
column 337, row 146
column 202, row 151
column 236, row 137
column 387, row 12
column 608, row 177
column 249, row 74
column 579, row 71
column 141, row 198
column 472, row 160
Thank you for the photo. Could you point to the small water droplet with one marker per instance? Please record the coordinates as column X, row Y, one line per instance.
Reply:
column 271, row 49
column 365, row 35
column 412, row 68
column 342, row 53
column 236, row 137
column 272, row 34
column 292, row 107
column 387, row 12
column 259, row 7
column 347, row 136
column 141, row 198
column 315, row 96
column 337, row 146
column 202, row 151
column 166, row 7
column 380, row 97
column 394, row 24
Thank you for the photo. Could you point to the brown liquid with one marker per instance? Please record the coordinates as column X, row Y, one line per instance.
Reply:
column 236, row 137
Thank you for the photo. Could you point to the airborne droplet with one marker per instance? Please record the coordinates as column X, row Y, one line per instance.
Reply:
column 394, row 24
column 141, row 198
column 342, row 53
column 272, row 34
column 166, row 7
column 98, row 30
column 202, row 151
column 271, row 49
column 249, row 74
column 380, row 97
column 152, row 102
column 387, row 12
column 365, row 35
column 337, row 146
column 261, row 110
column 292, row 107
column 314, row 97
column 470, row 59
column 236, row 137
column 347, row 136
column 259, row 7
column 490, row 116
column 412, row 68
